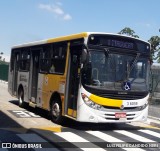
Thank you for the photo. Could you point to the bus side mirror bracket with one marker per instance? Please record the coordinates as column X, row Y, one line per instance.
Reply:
column 84, row 55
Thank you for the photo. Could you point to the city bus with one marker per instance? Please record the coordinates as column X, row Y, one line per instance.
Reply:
column 89, row 77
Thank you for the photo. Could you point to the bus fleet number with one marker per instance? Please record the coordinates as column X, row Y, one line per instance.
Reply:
column 132, row 103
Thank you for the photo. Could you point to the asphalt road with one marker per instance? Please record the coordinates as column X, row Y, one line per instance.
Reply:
column 32, row 129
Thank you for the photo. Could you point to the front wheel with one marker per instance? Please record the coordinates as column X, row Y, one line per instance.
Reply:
column 56, row 112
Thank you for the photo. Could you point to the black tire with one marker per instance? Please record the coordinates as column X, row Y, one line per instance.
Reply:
column 21, row 99
column 56, row 111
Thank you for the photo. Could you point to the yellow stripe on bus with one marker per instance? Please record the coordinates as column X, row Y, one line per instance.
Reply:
column 72, row 112
column 65, row 38
column 106, row 101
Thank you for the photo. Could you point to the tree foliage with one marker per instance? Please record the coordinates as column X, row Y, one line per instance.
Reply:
column 155, row 47
column 1, row 53
column 154, row 41
column 129, row 32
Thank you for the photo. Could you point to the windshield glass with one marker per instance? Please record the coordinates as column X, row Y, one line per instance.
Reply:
column 110, row 70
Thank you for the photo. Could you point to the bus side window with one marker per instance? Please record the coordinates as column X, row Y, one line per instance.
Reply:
column 58, row 59
column 25, row 59
column 12, row 60
column 45, row 58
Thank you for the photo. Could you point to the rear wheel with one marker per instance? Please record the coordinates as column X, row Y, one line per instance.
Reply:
column 56, row 111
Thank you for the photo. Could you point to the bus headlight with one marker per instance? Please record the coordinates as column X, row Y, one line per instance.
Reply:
column 143, row 106
column 90, row 103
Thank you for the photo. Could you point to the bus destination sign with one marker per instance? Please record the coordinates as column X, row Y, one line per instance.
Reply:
column 120, row 44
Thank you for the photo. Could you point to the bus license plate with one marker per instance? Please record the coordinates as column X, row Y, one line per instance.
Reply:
column 120, row 115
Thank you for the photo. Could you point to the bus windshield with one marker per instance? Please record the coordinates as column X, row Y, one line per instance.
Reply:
column 109, row 72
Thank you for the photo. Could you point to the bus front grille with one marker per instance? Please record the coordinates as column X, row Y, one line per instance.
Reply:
column 110, row 116
column 117, row 109
column 123, row 96
column 116, row 119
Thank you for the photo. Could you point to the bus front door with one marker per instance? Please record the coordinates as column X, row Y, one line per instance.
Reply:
column 72, row 84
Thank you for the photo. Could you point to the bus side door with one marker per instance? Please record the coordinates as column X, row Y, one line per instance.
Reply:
column 73, row 78
column 13, row 73
column 34, row 70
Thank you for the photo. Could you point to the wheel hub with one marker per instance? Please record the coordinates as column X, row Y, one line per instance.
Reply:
column 55, row 110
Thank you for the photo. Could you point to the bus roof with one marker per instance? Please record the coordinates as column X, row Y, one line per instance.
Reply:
column 50, row 40
column 67, row 38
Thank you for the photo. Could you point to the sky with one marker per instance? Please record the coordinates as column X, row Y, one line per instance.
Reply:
column 24, row 21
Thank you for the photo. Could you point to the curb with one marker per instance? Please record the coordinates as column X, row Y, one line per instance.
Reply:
column 5, row 82
column 155, row 124
column 153, row 121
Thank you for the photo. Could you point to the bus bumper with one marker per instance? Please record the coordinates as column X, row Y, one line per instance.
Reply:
column 87, row 114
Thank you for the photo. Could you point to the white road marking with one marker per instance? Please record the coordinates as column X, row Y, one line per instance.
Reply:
column 109, row 138
column 150, row 133
column 134, row 136
column 71, row 137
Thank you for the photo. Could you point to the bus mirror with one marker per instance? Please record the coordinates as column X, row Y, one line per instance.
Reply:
column 75, row 59
column 84, row 55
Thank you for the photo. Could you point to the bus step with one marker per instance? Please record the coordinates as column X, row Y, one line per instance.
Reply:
column 32, row 104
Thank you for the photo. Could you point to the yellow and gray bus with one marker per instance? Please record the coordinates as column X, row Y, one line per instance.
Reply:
column 89, row 77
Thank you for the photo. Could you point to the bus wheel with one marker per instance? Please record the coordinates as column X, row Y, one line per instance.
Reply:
column 21, row 99
column 56, row 112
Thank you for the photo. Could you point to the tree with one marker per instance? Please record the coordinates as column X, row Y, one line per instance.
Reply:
column 129, row 32
column 1, row 55
column 155, row 47
column 154, row 41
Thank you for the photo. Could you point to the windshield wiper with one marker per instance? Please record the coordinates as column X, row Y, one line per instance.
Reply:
column 129, row 69
column 107, row 54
